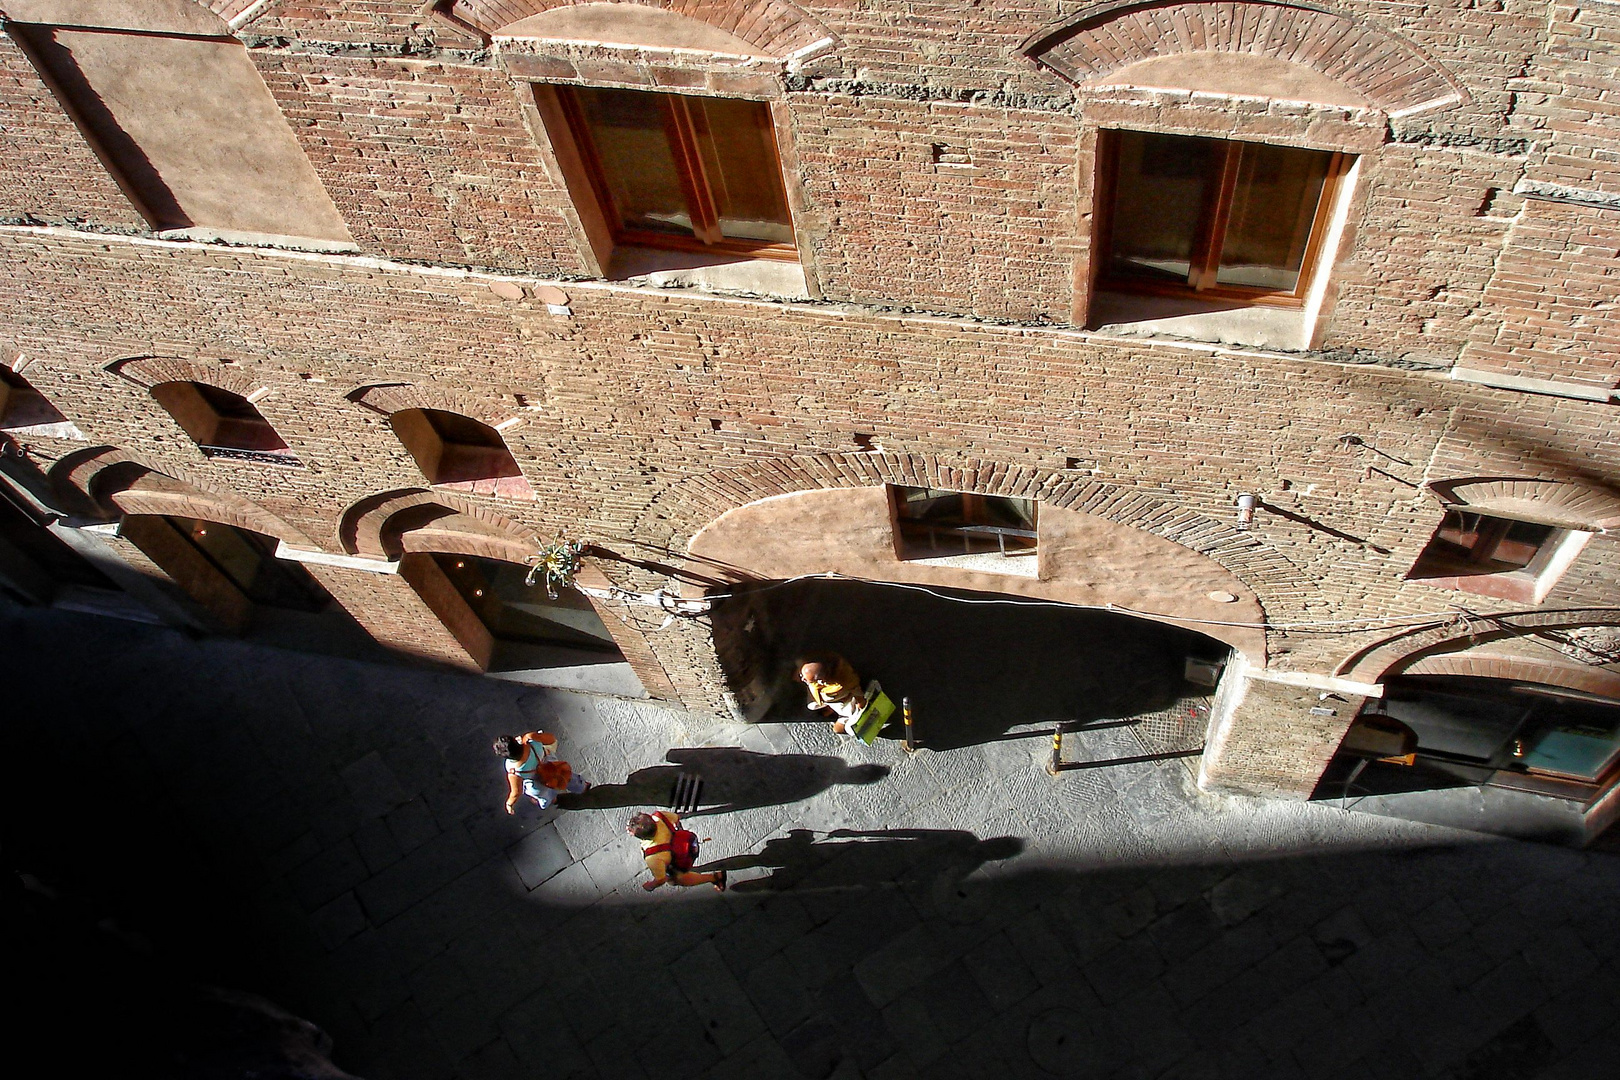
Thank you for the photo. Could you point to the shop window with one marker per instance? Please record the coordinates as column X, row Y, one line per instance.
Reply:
column 247, row 559
column 1503, row 732
column 673, row 172
column 930, row 524
column 516, row 612
column 1212, row 218
column 223, row 424
column 456, row 450
column 1496, row 556
column 21, row 406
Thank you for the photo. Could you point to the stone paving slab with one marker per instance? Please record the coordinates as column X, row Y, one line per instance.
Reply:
column 956, row 913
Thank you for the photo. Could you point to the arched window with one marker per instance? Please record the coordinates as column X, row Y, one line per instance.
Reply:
column 223, row 423
column 451, row 448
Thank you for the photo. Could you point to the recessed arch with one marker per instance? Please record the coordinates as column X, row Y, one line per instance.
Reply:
column 116, row 483
column 771, row 28
column 389, row 524
column 150, row 371
column 456, row 441
column 1553, row 502
column 1296, row 52
column 1199, row 548
column 1454, row 637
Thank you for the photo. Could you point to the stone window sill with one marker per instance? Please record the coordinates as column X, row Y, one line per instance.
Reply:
column 728, row 273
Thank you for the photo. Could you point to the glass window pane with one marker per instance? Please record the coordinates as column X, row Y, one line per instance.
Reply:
column 1273, row 208
column 514, row 611
column 739, row 159
column 245, row 558
column 1159, row 193
column 632, row 143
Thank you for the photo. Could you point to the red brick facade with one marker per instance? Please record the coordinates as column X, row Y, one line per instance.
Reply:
column 943, row 160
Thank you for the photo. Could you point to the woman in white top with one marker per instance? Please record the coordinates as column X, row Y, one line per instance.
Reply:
column 529, row 772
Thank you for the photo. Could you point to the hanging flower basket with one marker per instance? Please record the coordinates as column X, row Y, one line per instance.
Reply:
column 556, row 565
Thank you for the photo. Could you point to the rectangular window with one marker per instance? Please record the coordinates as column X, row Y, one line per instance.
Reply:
column 1217, row 218
column 932, row 524
column 1502, row 557
column 673, row 171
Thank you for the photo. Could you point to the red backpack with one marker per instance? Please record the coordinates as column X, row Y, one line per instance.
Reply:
column 683, row 845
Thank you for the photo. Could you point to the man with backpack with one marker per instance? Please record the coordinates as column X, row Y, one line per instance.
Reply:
column 670, row 851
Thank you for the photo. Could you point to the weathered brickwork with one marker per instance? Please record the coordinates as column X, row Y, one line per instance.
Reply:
column 940, row 205
column 426, row 161
column 51, row 174
column 945, row 186
column 1548, row 309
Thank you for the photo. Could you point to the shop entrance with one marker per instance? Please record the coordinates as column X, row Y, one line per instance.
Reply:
column 512, row 628
column 977, row 666
column 1503, row 733
column 231, row 573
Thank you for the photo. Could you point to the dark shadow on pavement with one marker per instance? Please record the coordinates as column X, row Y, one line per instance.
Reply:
column 854, row 859
column 329, row 834
column 733, row 779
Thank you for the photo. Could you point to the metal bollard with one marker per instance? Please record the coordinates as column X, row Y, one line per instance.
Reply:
column 1055, row 766
column 910, row 745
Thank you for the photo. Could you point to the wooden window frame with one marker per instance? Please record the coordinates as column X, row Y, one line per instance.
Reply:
column 681, row 129
column 1210, row 234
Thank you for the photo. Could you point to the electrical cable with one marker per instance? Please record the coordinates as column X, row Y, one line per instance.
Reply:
column 1323, row 626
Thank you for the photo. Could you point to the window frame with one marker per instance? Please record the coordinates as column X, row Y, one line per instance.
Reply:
column 1214, row 217
column 979, row 535
column 1529, row 583
column 196, row 408
column 681, row 131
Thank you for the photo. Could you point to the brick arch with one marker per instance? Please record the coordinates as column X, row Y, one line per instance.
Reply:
column 151, row 371
column 698, row 501
column 1553, row 501
column 392, row 523
column 1103, row 39
column 1589, row 680
column 775, row 27
column 1399, row 653
column 116, row 482
column 390, row 398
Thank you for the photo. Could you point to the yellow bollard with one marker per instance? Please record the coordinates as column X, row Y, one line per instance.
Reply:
column 910, row 745
column 1055, row 766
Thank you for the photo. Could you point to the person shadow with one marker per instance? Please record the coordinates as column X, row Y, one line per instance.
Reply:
column 850, row 858
column 733, row 779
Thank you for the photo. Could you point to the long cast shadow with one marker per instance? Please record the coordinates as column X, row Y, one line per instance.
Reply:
column 733, row 779
column 867, row 859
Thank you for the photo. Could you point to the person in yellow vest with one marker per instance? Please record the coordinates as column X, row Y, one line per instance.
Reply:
column 833, row 686
column 669, row 851
column 531, row 770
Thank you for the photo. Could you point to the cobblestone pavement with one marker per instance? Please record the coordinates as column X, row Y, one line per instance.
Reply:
column 329, row 833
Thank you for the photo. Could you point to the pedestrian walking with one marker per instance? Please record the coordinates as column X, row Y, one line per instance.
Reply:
column 532, row 770
column 834, row 687
column 670, row 851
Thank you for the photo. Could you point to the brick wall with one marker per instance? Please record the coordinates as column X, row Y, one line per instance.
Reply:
column 51, row 173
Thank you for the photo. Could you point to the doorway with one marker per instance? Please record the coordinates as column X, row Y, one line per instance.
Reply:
column 977, row 666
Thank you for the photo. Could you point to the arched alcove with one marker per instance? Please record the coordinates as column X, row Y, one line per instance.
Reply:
column 1246, row 49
